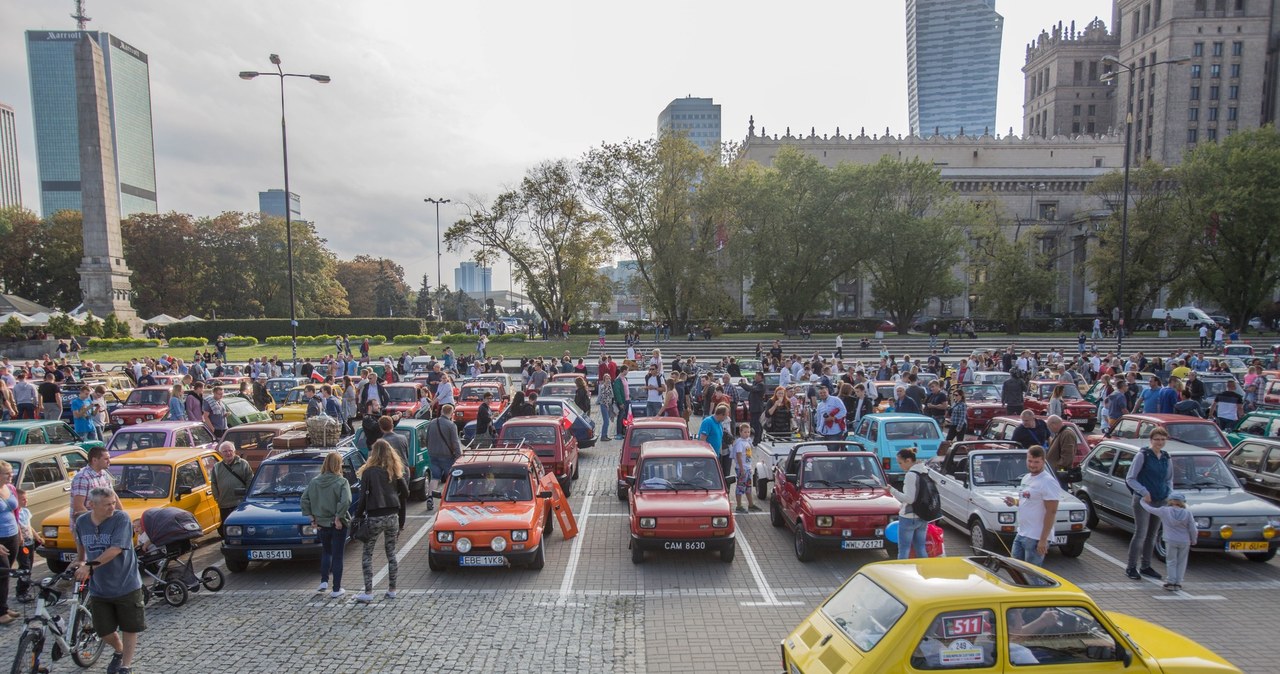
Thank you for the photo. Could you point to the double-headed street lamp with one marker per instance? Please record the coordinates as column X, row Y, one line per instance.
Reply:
column 288, row 202
column 439, row 253
column 1128, row 145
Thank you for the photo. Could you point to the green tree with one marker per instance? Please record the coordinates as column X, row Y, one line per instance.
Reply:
column 1232, row 195
column 316, row 287
column 160, row 249
column 422, row 305
column 555, row 243
column 647, row 193
column 389, row 290
column 12, row 328
column 1013, row 274
column 114, row 328
column 61, row 326
column 490, row 310
column 39, row 258
column 914, row 225
column 92, row 326
column 362, row 279
column 1160, row 242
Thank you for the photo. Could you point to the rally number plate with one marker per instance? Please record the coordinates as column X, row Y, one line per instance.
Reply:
column 270, row 554
column 1059, row 540
column 68, row 557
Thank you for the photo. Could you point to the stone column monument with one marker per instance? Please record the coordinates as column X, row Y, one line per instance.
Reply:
column 104, row 277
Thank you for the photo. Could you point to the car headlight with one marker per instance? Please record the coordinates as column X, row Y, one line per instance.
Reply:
column 1268, row 532
column 307, row 530
column 1007, row 518
column 1203, row 522
column 520, row 535
column 498, row 544
column 444, row 536
column 825, row 521
column 50, row 532
column 719, row 522
column 464, row 545
column 237, row 531
column 1077, row 516
column 648, row 523
column 1226, row 531
column 277, row 417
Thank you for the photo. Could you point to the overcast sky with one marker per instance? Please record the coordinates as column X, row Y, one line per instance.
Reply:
column 456, row 100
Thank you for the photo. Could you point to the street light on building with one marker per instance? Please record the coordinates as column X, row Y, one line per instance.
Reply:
column 288, row 221
column 439, row 253
column 1124, row 207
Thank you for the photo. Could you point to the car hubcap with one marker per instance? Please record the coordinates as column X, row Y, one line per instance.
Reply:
column 976, row 539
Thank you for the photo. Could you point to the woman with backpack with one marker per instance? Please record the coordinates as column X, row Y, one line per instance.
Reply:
column 383, row 494
column 917, row 491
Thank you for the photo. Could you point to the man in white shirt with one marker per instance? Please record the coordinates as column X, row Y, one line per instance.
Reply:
column 1037, row 502
column 784, row 377
column 655, row 387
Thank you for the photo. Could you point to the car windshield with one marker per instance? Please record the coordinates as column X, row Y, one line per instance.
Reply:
column 864, row 611
column 141, row 480
column 1069, row 391
column 505, row 484
column 294, row 397
column 529, row 435
column 559, row 390
column 127, row 441
column 825, row 472
column 148, row 397
column 402, row 394
column 677, row 473
column 402, row 432
column 749, row 365
column 911, row 430
column 997, row 469
column 239, row 407
column 638, row 392
column 7, row 438
column 1202, row 471
column 475, row 394
column 275, row 386
column 1214, row 386
column 639, row 436
column 984, row 393
column 282, row 479
column 885, row 392
column 1201, row 435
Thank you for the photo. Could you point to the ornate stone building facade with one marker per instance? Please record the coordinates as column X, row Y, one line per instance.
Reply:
column 1064, row 89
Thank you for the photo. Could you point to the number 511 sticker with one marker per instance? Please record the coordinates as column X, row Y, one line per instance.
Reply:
column 968, row 625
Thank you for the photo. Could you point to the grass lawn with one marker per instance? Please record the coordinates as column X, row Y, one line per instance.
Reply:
column 577, row 345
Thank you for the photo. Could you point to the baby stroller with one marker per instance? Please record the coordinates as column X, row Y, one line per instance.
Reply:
column 167, row 535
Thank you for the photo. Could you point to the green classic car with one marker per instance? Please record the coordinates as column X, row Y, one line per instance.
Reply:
column 241, row 411
column 42, row 432
column 1256, row 424
column 415, row 432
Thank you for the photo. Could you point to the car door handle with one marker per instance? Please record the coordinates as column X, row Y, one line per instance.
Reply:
column 68, row 487
column 1108, row 483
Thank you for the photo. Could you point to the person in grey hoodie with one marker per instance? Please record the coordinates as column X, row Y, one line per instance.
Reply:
column 1179, row 535
column 327, row 501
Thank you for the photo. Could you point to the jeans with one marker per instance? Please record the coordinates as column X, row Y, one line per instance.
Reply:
column 332, row 543
column 1144, row 534
column 912, row 532
column 933, row 342
column 26, row 410
column 622, row 415
column 652, row 409
column 52, row 411
column 14, row 545
column 1175, row 560
column 1024, row 548
column 389, row 527
column 604, row 418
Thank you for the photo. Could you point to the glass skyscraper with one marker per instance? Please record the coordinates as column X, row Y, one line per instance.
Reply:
column 697, row 117
column 953, row 65
column 271, row 203
column 470, row 277
column 10, row 181
column 51, row 60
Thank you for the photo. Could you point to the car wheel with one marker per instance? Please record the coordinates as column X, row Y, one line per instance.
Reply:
column 775, row 513
column 1260, row 557
column 979, row 538
column 637, row 554
column 548, row 526
column 236, row 565
column 539, row 560
column 891, row 549
column 1073, row 548
column 434, row 563
column 1159, row 548
column 575, row 470
column 622, row 494
column 727, row 553
column 56, row 565
column 566, row 486
column 762, row 489
column 1088, row 427
column 1091, row 514
column 804, row 552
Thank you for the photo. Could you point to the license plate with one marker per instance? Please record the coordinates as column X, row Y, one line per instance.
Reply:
column 874, row 544
column 684, row 546
column 1059, row 540
column 67, row 556
column 1248, row 546
column 482, row 560
column 271, row 554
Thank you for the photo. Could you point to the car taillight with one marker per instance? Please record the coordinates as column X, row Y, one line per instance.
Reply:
column 884, row 463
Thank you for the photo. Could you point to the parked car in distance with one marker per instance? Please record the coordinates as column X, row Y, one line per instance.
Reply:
column 279, row 387
column 471, row 394
column 559, row 389
column 1002, row 428
column 640, row 431
column 1256, row 424
column 44, row 472
column 253, row 440
column 1193, row 431
column 550, row 441
column 160, row 434
column 885, row 434
column 580, row 424
column 414, row 432
column 403, row 398
column 982, row 403
column 1256, row 463
column 1075, row 408
column 678, row 501
column 240, row 411
column 148, row 403
column 42, row 432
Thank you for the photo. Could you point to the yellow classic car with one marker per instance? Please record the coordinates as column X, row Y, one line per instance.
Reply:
column 159, row 477
column 294, row 406
column 985, row 614
column 118, row 384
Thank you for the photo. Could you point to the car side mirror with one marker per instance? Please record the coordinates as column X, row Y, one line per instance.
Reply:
column 182, row 491
column 1123, row 655
column 435, row 494
column 240, row 492
column 28, row 486
column 630, row 480
column 545, row 494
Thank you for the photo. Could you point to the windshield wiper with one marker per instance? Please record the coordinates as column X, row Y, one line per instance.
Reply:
column 1210, row 483
column 690, row 484
column 867, row 482
column 130, row 492
column 808, row 482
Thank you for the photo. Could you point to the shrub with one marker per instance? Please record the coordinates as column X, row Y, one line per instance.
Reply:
column 114, row 328
column 62, row 326
column 188, row 341
column 239, row 341
column 463, row 338
column 262, row 328
column 121, row 343
column 92, row 326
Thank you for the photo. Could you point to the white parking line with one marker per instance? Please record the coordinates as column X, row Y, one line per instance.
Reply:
column 766, row 593
column 1180, row 594
column 405, row 549
column 566, row 585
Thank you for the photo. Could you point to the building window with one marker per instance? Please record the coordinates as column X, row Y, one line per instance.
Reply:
column 1192, row 135
column 1211, row 134
column 1237, row 48
column 1213, row 114
column 1089, row 128
column 1235, row 71
column 1195, row 93
column 1215, row 71
column 1197, row 49
column 1233, row 92
column 1239, row 5
column 1195, row 72
column 1049, row 211
column 1193, row 114
column 1093, row 109
column 1213, row 93
column 1217, row 49
column 1232, row 114
column 1075, row 110
column 1075, row 127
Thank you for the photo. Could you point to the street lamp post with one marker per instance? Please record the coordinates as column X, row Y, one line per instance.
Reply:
column 288, row 203
column 439, row 253
column 1128, row 149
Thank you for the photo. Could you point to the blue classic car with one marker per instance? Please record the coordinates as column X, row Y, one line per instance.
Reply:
column 279, row 387
column 269, row 524
column 581, row 424
column 885, row 434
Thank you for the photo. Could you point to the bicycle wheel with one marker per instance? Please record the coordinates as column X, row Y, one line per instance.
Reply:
column 212, row 579
column 86, row 643
column 28, row 656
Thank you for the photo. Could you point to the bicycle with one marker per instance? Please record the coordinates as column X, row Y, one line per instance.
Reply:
column 80, row 639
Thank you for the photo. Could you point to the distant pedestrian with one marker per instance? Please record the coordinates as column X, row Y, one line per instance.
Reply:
column 1227, row 405
column 82, row 414
column 741, row 453
column 326, row 500
column 443, row 447
column 50, row 397
column 215, row 413
column 1178, row 526
column 177, row 408
column 604, row 398
column 383, row 494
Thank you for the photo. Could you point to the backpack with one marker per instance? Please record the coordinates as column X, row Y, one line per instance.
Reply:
column 927, row 505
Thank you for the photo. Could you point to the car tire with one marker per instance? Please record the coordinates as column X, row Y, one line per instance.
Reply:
column 1159, row 550
column 56, row 565
column 891, row 549
column 1074, row 547
column 566, row 486
column 1091, row 514
column 539, row 559
column 775, row 513
column 575, row 470
column 235, row 565
column 622, row 494
column 637, row 554
column 727, row 553
column 804, row 551
column 419, row 493
column 762, row 489
column 980, row 539
column 548, row 526
column 1260, row 557
column 434, row 563
column 1088, row 427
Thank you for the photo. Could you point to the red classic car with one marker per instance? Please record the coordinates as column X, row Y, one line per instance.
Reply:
column 148, row 403
column 1075, row 408
column 832, row 499
column 678, row 501
column 642, row 430
column 550, row 439
column 983, row 404
column 1191, row 430
column 405, row 399
column 472, row 394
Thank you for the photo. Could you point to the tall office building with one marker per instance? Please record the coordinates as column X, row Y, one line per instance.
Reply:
column 953, row 66
column 51, row 60
column 699, row 118
column 1065, row 92
column 10, row 180
column 271, row 203
column 470, row 277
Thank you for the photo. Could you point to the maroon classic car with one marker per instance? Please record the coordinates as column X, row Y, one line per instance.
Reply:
column 678, row 501
column 982, row 402
column 1074, row 407
column 148, row 403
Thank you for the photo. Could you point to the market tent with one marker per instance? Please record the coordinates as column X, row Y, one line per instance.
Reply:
column 22, row 318
column 190, row 319
column 162, row 319
column 40, row 318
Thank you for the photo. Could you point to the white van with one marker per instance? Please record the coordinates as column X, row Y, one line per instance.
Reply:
column 1186, row 315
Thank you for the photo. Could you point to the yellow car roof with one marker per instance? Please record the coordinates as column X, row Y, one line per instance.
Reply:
column 161, row 455
column 958, row 578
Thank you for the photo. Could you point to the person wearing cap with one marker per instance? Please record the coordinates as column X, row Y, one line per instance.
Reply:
column 1180, row 532
column 261, row 398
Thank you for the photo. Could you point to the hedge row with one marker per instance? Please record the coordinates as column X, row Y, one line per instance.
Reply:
column 464, row 338
column 412, row 339
column 188, row 341
column 323, row 340
column 121, row 343
column 262, row 328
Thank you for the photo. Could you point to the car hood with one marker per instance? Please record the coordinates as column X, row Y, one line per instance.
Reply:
column 283, row 511
column 995, row 494
column 483, row 516
column 850, row 501
column 1175, row 653
column 1227, row 502
column 688, row 503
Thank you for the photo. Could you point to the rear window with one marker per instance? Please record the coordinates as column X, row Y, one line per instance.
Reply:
column 128, row 442
column 402, row 394
column 911, row 430
column 249, row 440
column 530, row 435
column 476, row 393
column 148, row 397
column 640, row 436
column 1201, row 435
column 864, row 611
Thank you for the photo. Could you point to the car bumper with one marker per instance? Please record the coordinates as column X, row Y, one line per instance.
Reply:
column 682, row 544
column 838, row 542
column 1217, row 544
column 57, row 553
column 452, row 557
column 1072, row 537
column 242, row 551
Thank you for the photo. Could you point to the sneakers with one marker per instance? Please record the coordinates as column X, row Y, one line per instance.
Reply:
column 113, row 667
column 1170, row 587
column 391, row 594
column 740, row 509
column 431, row 504
column 754, row 508
column 1150, row 573
column 337, row 593
column 364, row 598
column 125, row 670
column 1132, row 573
column 324, row 586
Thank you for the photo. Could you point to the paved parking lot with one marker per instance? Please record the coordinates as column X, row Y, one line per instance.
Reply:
column 592, row 610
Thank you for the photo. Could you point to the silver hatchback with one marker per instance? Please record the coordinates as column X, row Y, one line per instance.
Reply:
column 1229, row 518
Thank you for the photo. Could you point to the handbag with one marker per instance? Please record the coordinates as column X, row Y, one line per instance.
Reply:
column 362, row 529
